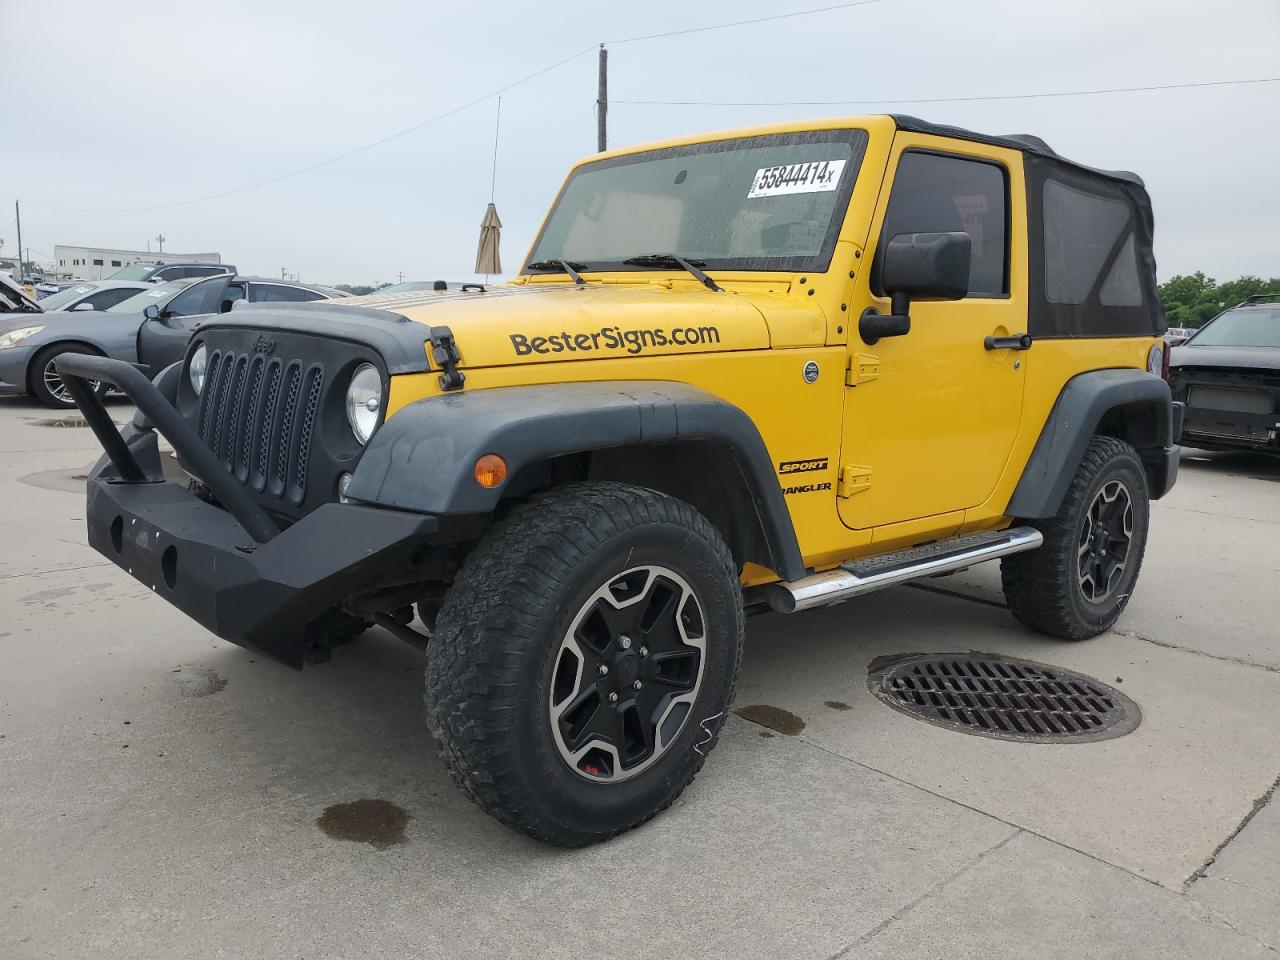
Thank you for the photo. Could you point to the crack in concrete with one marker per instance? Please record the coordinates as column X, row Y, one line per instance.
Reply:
column 44, row 573
column 1238, row 661
column 1133, row 634
column 982, row 813
column 944, row 592
column 1258, row 805
column 893, row 918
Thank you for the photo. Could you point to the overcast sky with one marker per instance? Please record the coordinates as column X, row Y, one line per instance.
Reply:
column 146, row 103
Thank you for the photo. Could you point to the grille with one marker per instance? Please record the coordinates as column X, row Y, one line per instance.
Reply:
column 257, row 414
column 1003, row 697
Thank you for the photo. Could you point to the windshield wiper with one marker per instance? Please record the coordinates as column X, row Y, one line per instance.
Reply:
column 560, row 266
column 672, row 260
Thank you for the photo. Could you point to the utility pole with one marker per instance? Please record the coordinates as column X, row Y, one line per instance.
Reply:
column 17, row 213
column 401, row 276
column 282, row 273
column 602, row 101
column 160, row 240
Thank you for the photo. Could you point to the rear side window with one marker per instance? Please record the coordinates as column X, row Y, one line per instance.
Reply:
column 933, row 193
column 109, row 298
column 278, row 293
column 1081, row 233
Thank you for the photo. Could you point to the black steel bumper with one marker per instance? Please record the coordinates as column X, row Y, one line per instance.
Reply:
column 232, row 570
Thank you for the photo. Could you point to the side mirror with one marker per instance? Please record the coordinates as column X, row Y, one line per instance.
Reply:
column 917, row 266
column 83, row 305
column 151, row 311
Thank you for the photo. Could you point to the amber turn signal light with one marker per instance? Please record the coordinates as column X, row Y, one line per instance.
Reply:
column 491, row 470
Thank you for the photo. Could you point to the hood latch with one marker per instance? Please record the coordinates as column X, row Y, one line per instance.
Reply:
column 444, row 351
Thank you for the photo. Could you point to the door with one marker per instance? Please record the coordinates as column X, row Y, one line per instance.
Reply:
column 164, row 341
column 931, row 416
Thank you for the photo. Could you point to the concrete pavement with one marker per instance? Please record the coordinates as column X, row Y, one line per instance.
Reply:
column 160, row 790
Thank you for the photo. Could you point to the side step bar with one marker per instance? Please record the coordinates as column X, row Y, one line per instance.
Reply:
column 874, row 573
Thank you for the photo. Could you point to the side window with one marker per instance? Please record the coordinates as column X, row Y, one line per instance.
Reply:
column 1081, row 231
column 233, row 293
column 196, row 299
column 945, row 194
column 278, row 293
column 109, row 298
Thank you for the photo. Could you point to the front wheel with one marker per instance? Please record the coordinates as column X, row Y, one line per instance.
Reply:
column 1078, row 583
column 47, row 384
column 585, row 659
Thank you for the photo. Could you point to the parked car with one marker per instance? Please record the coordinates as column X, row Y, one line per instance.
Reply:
column 160, row 271
column 29, row 346
column 886, row 350
column 1176, row 336
column 91, row 295
column 1228, row 374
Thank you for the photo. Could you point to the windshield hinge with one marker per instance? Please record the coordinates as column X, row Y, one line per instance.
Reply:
column 853, row 480
column 444, row 351
column 862, row 367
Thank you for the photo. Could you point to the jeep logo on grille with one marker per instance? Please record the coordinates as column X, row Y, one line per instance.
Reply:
column 264, row 344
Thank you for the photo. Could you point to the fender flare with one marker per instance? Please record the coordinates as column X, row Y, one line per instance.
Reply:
column 422, row 458
column 1080, row 407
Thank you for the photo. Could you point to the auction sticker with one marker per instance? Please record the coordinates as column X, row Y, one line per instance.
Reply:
column 816, row 176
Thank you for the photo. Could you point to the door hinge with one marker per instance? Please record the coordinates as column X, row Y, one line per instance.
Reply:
column 854, row 479
column 862, row 367
column 444, row 351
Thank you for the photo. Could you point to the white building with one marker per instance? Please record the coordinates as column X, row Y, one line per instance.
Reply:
column 98, row 263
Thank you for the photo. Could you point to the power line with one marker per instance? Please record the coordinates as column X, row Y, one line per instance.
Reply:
column 740, row 23
column 1003, row 96
column 350, row 153
column 458, row 109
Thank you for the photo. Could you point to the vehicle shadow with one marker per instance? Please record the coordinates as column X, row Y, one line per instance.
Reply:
column 1235, row 463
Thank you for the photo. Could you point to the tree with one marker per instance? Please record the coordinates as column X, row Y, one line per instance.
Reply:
column 359, row 290
column 1193, row 300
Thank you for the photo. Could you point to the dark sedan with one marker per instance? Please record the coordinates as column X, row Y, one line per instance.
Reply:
column 1228, row 374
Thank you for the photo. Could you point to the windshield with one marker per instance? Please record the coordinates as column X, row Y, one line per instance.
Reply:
column 135, row 271
column 757, row 203
column 1243, row 327
column 58, row 300
column 158, row 294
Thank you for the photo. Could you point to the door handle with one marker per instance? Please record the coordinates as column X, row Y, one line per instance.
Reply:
column 1019, row 341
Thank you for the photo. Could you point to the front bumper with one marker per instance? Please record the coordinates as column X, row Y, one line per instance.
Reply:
column 14, row 362
column 262, row 588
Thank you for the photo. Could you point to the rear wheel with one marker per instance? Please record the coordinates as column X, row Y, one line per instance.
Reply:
column 584, row 660
column 46, row 383
column 1078, row 583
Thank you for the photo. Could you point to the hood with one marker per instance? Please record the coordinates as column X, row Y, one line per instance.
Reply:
column 13, row 300
column 537, row 324
column 1239, row 358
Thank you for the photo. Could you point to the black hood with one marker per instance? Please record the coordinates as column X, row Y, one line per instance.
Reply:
column 1236, row 358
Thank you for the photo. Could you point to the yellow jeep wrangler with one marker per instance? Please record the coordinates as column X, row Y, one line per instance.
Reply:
column 775, row 367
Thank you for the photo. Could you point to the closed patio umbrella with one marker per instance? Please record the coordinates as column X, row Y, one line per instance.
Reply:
column 487, row 259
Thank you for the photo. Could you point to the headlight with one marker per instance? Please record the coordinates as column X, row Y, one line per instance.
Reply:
column 15, row 337
column 198, row 369
column 1155, row 360
column 364, row 401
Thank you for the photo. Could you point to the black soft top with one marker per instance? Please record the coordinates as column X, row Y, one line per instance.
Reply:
column 1089, row 235
column 1026, row 142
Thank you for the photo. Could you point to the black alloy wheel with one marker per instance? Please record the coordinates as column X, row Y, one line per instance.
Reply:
column 627, row 673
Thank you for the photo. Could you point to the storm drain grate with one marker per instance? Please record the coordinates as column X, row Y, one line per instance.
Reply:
column 995, row 696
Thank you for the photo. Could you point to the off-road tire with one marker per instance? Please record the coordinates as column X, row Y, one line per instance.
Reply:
column 491, row 659
column 1043, row 586
column 36, row 376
